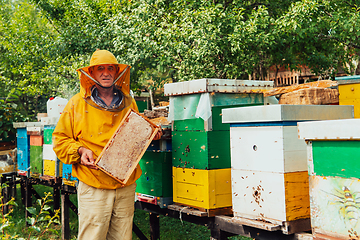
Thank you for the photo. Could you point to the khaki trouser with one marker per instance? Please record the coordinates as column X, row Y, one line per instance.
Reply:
column 105, row 214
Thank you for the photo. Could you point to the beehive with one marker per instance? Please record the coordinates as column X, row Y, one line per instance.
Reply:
column 124, row 150
column 155, row 184
column 52, row 167
column 349, row 92
column 51, row 164
column 36, row 150
column 268, row 161
column 333, row 159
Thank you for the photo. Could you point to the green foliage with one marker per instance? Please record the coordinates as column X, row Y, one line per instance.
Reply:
column 39, row 223
column 43, row 42
column 40, row 219
column 9, row 113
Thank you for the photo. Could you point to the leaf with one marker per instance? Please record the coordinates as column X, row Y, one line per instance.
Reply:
column 46, row 207
column 31, row 210
column 36, row 228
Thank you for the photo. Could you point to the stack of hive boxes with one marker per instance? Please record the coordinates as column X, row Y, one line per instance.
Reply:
column 36, row 150
column 201, row 143
column 52, row 165
column 269, row 162
column 23, row 146
column 155, row 184
column 333, row 161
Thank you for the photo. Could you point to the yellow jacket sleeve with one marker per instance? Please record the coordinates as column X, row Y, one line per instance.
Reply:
column 66, row 145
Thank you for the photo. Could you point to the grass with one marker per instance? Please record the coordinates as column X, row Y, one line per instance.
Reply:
column 170, row 228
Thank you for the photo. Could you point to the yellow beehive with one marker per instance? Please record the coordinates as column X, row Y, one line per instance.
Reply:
column 349, row 92
column 208, row 189
column 52, row 168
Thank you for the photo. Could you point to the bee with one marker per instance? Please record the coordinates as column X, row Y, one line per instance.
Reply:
column 349, row 205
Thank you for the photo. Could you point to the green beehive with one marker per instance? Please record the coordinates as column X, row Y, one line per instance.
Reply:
column 36, row 161
column 48, row 131
column 156, row 179
column 201, row 150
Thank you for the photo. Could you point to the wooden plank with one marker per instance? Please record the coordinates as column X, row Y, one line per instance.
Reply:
column 252, row 223
column 121, row 155
column 297, row 199
column 188, row 210
column 200, row 212
column 310, row 96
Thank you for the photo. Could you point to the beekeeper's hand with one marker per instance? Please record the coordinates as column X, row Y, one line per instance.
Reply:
column 87, row 158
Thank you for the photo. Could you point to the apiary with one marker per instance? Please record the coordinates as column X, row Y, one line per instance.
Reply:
column 269, row 162
column 333, row 161
column 349, row 92
column 203, row 189
column 124, row 150
column 23, row 145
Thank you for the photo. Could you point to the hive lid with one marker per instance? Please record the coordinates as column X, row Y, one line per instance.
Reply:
column 216, row 85
column 277, row 113
column 345, row 129
column 348, row 79
column 26, row 124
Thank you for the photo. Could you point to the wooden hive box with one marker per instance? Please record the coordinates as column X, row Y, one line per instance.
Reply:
column 51, row 164
column 206, row 190
column 334, row 169
column 48, row 131
column 349, row 92
column 201, row 150
column 269, row 162
column 23, row 151
column 124, row 150
column 156, row 179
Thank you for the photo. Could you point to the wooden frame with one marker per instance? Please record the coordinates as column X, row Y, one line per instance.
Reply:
column 122, row 153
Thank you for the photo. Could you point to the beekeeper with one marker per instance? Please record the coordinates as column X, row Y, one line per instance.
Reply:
column 105, row 206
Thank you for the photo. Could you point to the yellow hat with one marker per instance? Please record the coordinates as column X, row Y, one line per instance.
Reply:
column 99, row 57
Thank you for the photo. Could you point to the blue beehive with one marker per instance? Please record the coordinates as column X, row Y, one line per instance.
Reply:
column 68, row 179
